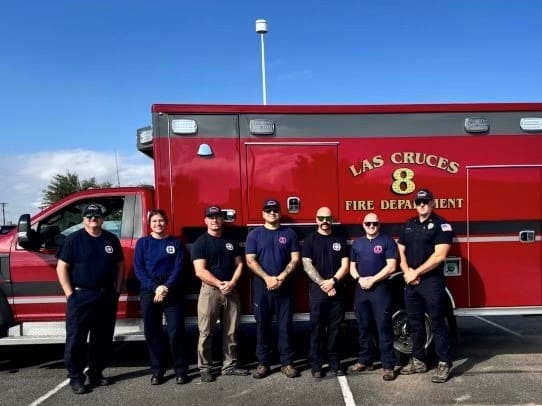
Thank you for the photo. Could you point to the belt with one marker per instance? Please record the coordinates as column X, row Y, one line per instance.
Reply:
column 101, row 290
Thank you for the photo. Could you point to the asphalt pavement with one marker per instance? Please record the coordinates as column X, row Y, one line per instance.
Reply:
column 497, row 361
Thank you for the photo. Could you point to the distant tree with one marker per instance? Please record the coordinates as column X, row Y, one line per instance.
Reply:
column 63, row 185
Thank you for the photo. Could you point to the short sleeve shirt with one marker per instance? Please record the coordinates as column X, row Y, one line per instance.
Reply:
column 420, row 239
column 92, row 260
column 220, row 254
column 371, row 255
column 326, row 253
column 273, row 249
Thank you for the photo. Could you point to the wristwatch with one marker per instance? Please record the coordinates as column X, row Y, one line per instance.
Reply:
column 335, row 279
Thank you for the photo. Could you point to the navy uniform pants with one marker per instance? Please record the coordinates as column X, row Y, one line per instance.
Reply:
column 428, row 297
column 92, row 314
column 266, row 304
column 373, row 307
column 158, row 343
column 326, row 315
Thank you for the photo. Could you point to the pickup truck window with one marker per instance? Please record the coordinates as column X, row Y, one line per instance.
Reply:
column 54, row 229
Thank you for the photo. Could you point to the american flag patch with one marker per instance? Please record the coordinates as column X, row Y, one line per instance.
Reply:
column 446, row 227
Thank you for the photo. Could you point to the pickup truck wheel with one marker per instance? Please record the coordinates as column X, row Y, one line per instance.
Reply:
column 402, row 340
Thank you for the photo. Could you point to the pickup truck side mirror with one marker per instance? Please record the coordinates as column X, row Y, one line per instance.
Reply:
column 23, row 227
column 26, row 237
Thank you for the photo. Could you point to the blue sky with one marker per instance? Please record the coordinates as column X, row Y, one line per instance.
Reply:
column 78, row 77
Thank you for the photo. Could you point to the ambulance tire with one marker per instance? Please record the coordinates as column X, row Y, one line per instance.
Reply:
column 402, row 340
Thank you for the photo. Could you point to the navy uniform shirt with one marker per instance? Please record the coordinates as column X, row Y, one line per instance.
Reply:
column 92, row 260
column 370, row 255
column 273, row 249
column 158, row 261
column 219, row 252
column 326, row 253
column 420, row 240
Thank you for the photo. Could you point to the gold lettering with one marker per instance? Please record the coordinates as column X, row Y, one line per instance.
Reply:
column 359, row 205
column 442, row 163
column 408, row 157
column 366, row 165
column 396, row 158
column 378, row 161
column 453, row 167
column 429, row 160
column 354, row 171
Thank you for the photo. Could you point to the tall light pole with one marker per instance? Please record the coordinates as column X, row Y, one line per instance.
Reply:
column 261, row 28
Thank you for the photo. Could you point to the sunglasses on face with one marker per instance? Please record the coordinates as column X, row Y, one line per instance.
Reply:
column 269, row 211
column 324, row 218
column 371, row 223
column 419, row 202
column 96, row 216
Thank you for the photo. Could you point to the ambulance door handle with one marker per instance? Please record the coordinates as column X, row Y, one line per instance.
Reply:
column 527, row 236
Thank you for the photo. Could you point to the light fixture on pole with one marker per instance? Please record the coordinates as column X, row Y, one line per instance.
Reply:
column 261, row 28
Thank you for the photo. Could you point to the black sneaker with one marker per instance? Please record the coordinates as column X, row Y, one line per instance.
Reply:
column 317, row 373
column 99, row 380
column 182, row 379
column 157, row 380
column 78, row 388
column 442, row 373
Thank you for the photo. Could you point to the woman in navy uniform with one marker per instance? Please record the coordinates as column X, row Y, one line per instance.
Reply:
column 158, row 264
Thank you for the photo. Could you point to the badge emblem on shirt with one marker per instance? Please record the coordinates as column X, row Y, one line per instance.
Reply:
column 109, row 249
column 378, row 249
column 229, row 246
column 430, row 226
column 336, row 246
column 170, row 249
column 282, row 240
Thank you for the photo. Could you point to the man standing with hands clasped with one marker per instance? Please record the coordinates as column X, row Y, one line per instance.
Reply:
column 325, row 260
column 373, row 260
column 272, row 253
column 217, row 262
column 424, row 243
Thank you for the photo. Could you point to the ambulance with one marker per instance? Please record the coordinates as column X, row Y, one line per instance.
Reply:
column 483, row 163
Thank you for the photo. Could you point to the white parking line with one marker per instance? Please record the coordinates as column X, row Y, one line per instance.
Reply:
column 498, row 326
column 347, row 393
column 43, row 398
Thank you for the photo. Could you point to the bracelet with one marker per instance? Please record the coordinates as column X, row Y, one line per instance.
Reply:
column 335, row 279
column 357, row 278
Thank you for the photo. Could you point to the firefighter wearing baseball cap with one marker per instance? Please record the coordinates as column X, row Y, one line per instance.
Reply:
column 272, row 253
column 217, row 262
column 424, row 243
column 90, row 270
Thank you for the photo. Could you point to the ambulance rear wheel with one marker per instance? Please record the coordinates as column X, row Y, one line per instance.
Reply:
column 402, row 339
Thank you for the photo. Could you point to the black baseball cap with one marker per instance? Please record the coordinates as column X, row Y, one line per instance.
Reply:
column 94, row 209
column 271, row 204
column 213, row 211
column 424, row 194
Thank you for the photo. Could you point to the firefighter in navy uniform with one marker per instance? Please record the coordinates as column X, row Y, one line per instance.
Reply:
column 90, row 270
column 325, row 261
column 272, row 253
column 373, row 260
column 424, row 243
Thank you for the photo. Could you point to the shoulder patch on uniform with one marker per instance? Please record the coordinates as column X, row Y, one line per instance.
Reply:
column 446, row 227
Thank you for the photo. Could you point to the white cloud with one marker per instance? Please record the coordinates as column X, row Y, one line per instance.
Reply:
column 23, row 177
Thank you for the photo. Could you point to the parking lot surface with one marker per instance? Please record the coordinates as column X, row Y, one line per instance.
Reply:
column 498, row 361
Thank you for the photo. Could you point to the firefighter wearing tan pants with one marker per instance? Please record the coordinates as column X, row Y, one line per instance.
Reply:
column 217, row 262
